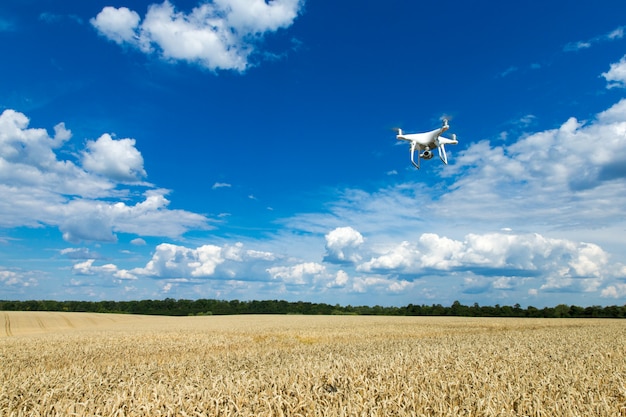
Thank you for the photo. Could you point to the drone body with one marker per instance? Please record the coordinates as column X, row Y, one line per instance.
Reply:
column 426, row 142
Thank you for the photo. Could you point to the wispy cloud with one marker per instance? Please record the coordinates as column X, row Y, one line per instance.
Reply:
column 220, row 185
column 7, row 25
column 617, row 33
column 50, row 17
column 508, row 71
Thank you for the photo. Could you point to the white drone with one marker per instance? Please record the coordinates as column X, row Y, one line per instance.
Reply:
column 426, row 142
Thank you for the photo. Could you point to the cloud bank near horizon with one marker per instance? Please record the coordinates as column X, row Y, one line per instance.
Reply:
column 554, row 197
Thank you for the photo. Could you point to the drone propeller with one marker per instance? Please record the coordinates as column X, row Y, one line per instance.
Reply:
column 447, row 117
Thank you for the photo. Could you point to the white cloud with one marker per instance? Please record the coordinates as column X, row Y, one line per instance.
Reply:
column 616, row 75
column 565, row 185
column 83, row 219
column 342, row 244
column 258, row 16
column 220, row 185
column 9, row 277
column 117, row 159
column 171, row 261
column 495, row 254
column 399, row 286
column 17, row 279
column 29, row 147
column 439, row 252
column 87, row 268
column 299, row 274
column 399, row 258
column 378, row 284
column 504, row 283
column 119, row 25
column 617, row 33
column 567, row 174
column 38, row 189
column 577, row 46
column 217, row 35
column 614, row 291
column 79, row 253
column 340, row 280
column 206, row 261
column 263, row 255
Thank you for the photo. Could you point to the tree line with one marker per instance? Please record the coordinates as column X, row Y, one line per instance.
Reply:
column 182, row 307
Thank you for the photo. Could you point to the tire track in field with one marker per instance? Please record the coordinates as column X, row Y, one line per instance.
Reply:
column 67, row 321
column 40, row 323
column 7, row 325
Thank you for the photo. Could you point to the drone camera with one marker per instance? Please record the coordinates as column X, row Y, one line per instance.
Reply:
column 426, row 155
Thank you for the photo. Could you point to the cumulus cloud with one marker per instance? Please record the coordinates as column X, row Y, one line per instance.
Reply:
column 222, row 34
column 614, row 291
column 342, row 245
column 567, row 185
column 498, row 261
column 87, row 268
column 117, row 24
column 340, row 280
column 170, row 261
column 206, row 261
column 494, row 254
column 29, row 147
column 83, row 201
column 616, row 75
column 115, row 159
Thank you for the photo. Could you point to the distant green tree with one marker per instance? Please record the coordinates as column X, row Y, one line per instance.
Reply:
column 458, row 309
column 562, row 310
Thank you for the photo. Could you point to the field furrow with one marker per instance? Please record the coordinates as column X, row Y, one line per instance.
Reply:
column 7, row 325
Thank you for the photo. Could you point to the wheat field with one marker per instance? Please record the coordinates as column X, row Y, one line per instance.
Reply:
column 87, row 364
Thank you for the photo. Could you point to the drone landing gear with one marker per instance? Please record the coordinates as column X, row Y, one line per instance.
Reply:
column 442, row 154
column 416, row 165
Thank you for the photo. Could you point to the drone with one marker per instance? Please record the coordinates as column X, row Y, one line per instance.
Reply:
column 426, row 142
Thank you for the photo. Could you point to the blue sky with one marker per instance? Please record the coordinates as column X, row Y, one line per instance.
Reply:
column 239, row 149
